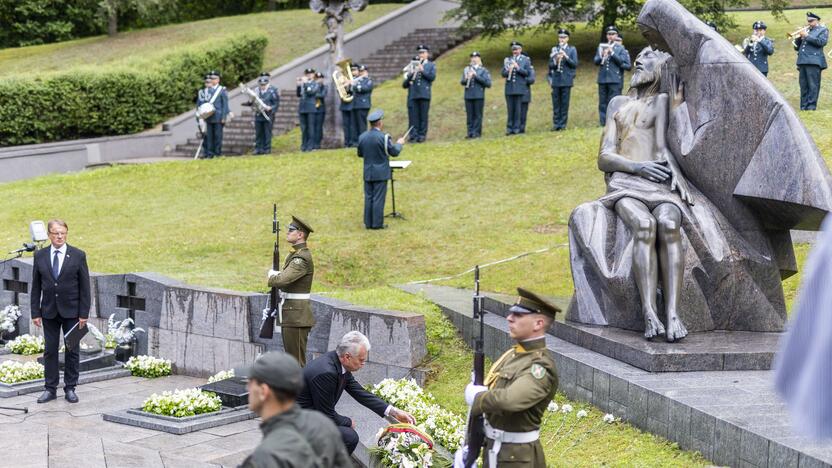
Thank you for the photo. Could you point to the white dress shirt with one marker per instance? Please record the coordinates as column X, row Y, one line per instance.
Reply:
column 61, row 256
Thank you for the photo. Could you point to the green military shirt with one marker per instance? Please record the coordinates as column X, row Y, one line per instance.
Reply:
column 296, row 278
column 521, row 385
column 282, row 446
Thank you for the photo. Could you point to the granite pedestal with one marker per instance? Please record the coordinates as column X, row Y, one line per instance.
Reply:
column 232, row 392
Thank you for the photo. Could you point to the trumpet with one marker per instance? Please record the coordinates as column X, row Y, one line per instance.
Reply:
column 606, row 47
column 470, row 68
column 507, row 63
column 342, row 81
column 556, row 52
column 412, row 69
column 793, row 35
column 748, row 41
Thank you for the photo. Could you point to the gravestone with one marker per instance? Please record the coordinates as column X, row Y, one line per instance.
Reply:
column 232, row 392
column 17, row 278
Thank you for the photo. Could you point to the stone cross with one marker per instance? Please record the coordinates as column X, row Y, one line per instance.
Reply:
column 131, row 302
column 335, row 13
column 15, row 285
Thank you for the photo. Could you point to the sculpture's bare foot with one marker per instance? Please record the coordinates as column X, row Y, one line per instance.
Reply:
column 652, row 325
column 675, row 328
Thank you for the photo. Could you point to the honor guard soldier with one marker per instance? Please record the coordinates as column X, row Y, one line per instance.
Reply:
column 262, row 126
column 809, row 45
column 420, row 92
column 320, row 111
column 612, row 59
column 291, row 436
column 563, row 60
column 307, row 91
column 758, row 47
column 518, row 388
column 516, row 68
column 527, row 98
column 363, row 92
column 295, row 283
column 350, row 140
column 216, row 95
column 376, row 148
column 475, row 78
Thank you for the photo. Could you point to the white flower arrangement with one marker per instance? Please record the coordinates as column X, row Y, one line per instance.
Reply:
column 403, row 449
column 121, row 332
column 553, row 407
column 182, row 403
column 26, row 344
column 221, row 375
column 581, row 414
column 609, row 418
column 443, row 426
column 12, row 372
column 148, row 366
column 565, row 409
column 8, row 318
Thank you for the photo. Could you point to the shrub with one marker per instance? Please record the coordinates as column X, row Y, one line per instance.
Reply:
column 85, row 103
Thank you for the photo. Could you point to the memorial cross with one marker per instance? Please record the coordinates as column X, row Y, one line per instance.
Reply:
column 15, row 285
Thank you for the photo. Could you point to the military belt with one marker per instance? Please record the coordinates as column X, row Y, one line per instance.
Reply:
column 500, row 436
column 295, row 296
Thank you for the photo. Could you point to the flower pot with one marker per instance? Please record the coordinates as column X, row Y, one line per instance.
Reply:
column 123, row 352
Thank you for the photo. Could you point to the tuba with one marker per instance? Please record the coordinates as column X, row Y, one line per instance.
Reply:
column 342, row 81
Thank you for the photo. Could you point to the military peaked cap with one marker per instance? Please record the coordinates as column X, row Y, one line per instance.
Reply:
column 563, row 33
column 475, row 54
column 516, row 45
column 376, row 115
column 612, row 29
column 214, row 74
column 531, row 303
column 276, row 369
column 758, row 25
column 811, row 15
column 300, row 225
column 423, row 48
column 308, row 71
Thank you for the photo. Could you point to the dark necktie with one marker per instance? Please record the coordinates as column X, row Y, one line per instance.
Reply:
column 342, row 382
column 55, row 265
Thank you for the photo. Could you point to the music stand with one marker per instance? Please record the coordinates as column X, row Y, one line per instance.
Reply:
column 394, row 166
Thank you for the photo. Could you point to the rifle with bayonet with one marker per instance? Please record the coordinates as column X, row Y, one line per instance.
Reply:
column 475, row 430
column 275, row 301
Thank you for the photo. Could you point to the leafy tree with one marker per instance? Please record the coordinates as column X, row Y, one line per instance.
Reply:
column 113, row 9
column 32, row 22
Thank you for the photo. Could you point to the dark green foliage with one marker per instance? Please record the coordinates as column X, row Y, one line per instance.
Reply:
column 31, row 22
column 83, row 104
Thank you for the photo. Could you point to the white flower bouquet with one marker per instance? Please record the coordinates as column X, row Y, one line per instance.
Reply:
column 221, row 375
column 8, row 318
column 403, row 445
column 148, row 366
column 182, row 403
column 26, row 344
column 445, row 427
column 12, row 372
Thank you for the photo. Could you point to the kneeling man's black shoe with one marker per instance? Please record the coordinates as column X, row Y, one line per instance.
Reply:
column 47, row 396
column 71, row 396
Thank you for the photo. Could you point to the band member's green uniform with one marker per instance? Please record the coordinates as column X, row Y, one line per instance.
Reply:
column 518, row 388
column 295, row 284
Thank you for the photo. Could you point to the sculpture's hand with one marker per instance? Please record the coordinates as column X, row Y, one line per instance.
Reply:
column 678, row 95
column 680, row 184
column 656, row 171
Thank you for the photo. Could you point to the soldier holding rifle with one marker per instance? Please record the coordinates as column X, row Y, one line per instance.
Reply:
column 294, row 282
column 517, row 389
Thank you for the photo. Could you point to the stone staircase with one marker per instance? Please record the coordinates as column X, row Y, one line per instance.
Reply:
column 384, row 64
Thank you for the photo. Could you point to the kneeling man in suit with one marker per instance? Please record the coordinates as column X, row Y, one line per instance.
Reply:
column 328, row 376
column 60, row 300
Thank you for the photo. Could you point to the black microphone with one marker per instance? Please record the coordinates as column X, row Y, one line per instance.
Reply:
column 27, row 247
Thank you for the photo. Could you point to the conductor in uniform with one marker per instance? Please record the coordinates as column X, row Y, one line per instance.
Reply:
column 262, row 126
column 516, row 68
column 518, row 388
column 810, row 60
column 419, row 92
column 759, row 47
column 376, row 148
column 563, row 60
column 363, row 101
column 612, row 59
column 475, row 78
column 212, row 139
column 295, row 284
column 307, row 90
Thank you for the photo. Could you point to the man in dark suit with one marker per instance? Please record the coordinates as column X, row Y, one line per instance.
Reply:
column 60, row 300
column 376, row 147
column 327, row 377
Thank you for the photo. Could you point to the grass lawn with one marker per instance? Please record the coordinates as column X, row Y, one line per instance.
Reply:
column 287, row 31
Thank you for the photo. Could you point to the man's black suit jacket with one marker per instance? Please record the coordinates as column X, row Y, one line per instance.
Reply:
column 324, row 384
column 68, row 295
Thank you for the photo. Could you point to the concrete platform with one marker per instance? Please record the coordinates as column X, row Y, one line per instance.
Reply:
column 732, row 417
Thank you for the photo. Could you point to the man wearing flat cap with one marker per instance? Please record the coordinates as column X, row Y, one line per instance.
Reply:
column 217, row 96
column 518, row 388
column 292, row 437
column 811, row 60
column 758, row 47
column 307, row 90
column 295, row 284
column 563, row 61
column 376, row 148
column 612, row 60
column 263, row 126
column 516, row 69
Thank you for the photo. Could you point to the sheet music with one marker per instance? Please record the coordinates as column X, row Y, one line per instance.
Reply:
column 399, row 164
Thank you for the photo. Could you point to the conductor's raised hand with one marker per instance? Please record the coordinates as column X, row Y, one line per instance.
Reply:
column 400, row 141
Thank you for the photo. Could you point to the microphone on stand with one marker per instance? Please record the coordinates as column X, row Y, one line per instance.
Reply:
column 27, row 247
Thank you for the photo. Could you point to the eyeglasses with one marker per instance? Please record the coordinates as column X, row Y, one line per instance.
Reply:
column 57, row 234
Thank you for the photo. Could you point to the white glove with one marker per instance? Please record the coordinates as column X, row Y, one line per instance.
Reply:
column 471, row 392
column 459, row 457
column 266, row 313
column 273, row 273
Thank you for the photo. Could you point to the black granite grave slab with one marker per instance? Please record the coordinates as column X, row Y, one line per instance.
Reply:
column 89, row 362
column 706, row 351
column 232, row 392
column 137, row 417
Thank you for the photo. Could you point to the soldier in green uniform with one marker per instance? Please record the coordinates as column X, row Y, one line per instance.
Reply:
column 295, row 284
column 518, row 388
column 292, row 437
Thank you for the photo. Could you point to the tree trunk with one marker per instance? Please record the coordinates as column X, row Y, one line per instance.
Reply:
column 112, row 21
